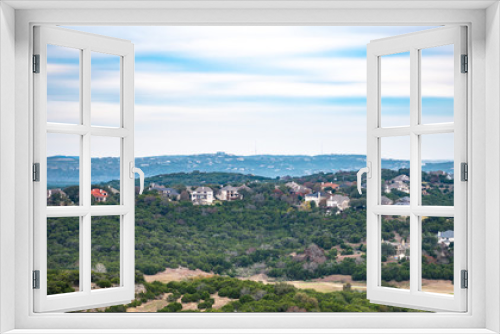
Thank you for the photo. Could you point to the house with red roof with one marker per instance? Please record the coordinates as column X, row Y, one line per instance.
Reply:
column 99, row 195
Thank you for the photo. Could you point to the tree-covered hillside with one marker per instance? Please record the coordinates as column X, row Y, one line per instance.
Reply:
column 271, row 230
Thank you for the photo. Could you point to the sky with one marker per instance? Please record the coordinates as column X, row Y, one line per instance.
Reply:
column 251, row 90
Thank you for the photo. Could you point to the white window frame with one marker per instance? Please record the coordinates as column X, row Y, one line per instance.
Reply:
column 484, row 103
column 86, row 44
column 414, row 43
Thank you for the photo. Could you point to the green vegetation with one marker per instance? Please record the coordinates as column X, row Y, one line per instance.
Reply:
column 269, row 231
column 250, row 296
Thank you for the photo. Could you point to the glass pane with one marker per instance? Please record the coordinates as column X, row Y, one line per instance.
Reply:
column 105, row 252
column 63, row 255
column 395, row 170
column 63, row 84
column 437, row 254
column 395, row 89
column 63, row 169
column 395, row 252
column 437, row 169
column 105, row 89
column 105, row 173
column 437, row 84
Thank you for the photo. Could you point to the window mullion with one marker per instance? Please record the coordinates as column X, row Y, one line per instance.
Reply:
column 414, row 167
column 86, row 241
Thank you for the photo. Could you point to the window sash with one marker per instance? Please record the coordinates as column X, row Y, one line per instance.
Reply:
column 85, row 297
column 414, row 298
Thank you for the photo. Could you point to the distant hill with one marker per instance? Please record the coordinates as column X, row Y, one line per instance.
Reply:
column 64, row 170
column 197, row 179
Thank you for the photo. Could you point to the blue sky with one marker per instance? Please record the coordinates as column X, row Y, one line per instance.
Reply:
column 247, row 90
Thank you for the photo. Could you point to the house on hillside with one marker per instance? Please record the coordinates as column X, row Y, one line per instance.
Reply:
column 229, row 193
column 446, row 237
column 441, row 173
column 338, row 201
column 59, row 191
column 168, row 192
column 202, row 195
column 100, row 195
column 316, row 197
column 400, row 183
column 401, row 178
column 298, row 189
column 401, row 249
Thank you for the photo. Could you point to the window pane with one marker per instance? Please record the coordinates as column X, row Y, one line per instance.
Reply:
column 437, row 254
column 437, row 169
column 395, row 170
column 105, row 173
column 395, row 252
column 63, row 84
column 63, row 169
column 105, row 252
column 437, row 84
column 63, row 255
column 105, row 89
column 395, row 89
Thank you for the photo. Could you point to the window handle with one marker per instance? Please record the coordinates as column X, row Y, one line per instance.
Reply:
column 368, row 171
column 134, row 170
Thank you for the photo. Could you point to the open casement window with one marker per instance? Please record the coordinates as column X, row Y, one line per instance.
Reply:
column 424, row 72
column 83, row 110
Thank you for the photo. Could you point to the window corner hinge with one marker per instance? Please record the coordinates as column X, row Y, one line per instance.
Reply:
column 464, row 171
column 465, row 64
column 464, row 279
column 36, row 63
column 36, row 172
column 36, row 279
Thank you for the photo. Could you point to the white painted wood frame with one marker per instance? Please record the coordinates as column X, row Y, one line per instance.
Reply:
column 415, row 297
column 85, row 297
column 483, row 19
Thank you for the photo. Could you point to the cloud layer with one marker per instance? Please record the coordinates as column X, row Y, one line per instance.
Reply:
column 246, row 90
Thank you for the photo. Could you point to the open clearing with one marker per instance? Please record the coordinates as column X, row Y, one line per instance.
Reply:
column 325, row 284
column 177, row 274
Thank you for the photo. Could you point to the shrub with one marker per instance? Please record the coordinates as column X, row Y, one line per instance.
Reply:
column 104, row 283
column 172, row 307
column 206, row 304
column 189, row 298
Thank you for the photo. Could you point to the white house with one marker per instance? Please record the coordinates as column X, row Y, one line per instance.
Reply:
column 202, row 195
column 51, row 192
column 168, row 192
column 297, row 188
column 400, row 183
column 338, row 201
column 316, row 197
column 446, row 237
column 229, row 193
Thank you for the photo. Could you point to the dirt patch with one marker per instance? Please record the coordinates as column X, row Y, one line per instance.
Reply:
column 437, row 286
column 326, row 286
column 151, row 305
column 400, row 285
column 177, row 274
column 341, row 258
column 263, row 278
column 220, row 301
column 190, row 306
column 428, row 285
column 335, row 278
